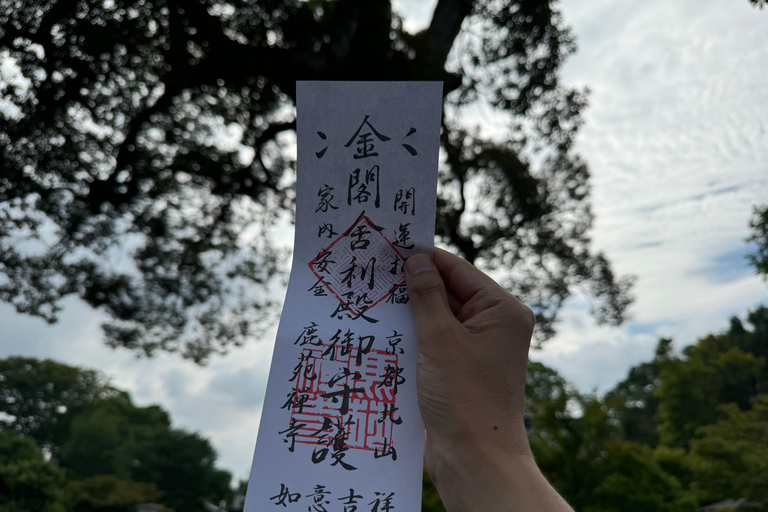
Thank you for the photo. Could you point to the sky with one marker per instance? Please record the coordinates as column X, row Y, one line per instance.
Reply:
column 676, row 139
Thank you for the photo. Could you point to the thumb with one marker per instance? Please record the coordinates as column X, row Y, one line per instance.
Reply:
column 426, row 292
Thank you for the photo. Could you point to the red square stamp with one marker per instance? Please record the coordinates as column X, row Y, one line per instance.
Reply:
column 346, row 397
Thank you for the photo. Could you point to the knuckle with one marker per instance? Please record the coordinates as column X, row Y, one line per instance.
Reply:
column 519, row 315
column 529, row 315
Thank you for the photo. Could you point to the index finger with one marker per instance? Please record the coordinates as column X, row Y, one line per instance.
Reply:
column 462, row 279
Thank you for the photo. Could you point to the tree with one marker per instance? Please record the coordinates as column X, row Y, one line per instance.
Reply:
column 28, row 483
column 633, row 401
column 113, row 451
column 730, row 459
column 104, row 438
column 114, row 146
column 759, row 237
column 578, row 448
column 114, row 437
column 42, row 397
column 719, row 369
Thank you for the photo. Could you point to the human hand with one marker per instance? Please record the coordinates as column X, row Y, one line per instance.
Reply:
column 473, row 341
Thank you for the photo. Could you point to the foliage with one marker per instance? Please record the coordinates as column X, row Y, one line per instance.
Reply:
column 759, row 237
column 719, row 369
column 577, row 447
column 712, row 412
column 633, row 401
column 28, row 483
column 182, row 465
column 114, row 437
column 159, row 131
column 43, row 396
column 115, row 454
column 103, row 439
column 106, row 493
column 730, row 458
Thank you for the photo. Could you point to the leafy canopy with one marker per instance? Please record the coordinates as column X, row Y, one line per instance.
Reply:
column 114, row 454
column 144, row 157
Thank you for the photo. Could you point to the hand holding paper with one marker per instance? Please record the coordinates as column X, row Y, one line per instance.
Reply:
column 473, row 350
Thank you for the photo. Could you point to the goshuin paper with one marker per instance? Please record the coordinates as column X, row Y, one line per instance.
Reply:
column 341, row 429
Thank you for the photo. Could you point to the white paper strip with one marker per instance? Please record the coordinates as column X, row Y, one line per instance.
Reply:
column 340, row 428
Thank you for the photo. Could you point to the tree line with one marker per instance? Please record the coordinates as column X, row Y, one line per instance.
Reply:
column 71, row 442
column 679, row 432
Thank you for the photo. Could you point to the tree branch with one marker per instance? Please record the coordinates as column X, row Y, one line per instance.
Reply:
column 445, row 26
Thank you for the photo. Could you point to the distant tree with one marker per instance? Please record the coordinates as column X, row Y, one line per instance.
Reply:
column 183, row 465
column 718, row 369
column 114, row 437
column 113, row 147
column 93, row 429
column 730, row 458
column 104, row 438
column 28, row 483
column 578, row 448
column 759, row 237
column 42, row 396
column 633, row 401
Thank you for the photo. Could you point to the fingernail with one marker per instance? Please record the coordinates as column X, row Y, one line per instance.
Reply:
column 418, row 263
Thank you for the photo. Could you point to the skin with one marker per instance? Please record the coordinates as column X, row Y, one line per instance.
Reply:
column 473, row 341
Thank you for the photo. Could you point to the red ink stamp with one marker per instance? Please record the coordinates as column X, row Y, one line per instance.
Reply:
column 346, row 397
column 360, row 268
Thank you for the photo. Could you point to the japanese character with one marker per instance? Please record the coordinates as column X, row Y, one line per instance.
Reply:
column 386, row 451
column 343, row 307
column 388, row 412
column 296, row 400
column 284, row 495
column 326, row 197
column 398, row 294
column 322, row 260
column 364, row 141
column 358, row 237
column 318, row 289
column 350, row 502
column 360, row 186
column 346, row 344
column 385, row 502
column 309, row 368
column 308, row 336
column 394, row 341
column 403, row 236
column 405, row 199
column 291, row 432
column 326, row 228
column 398, row 265
column 319, row 499
column 392, row 377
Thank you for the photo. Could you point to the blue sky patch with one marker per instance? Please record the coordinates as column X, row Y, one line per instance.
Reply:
column 729, row 266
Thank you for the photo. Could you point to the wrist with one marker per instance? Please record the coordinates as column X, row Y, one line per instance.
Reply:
column 489, row 475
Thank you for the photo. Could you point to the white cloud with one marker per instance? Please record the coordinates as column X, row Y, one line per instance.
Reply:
column 676, row 140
